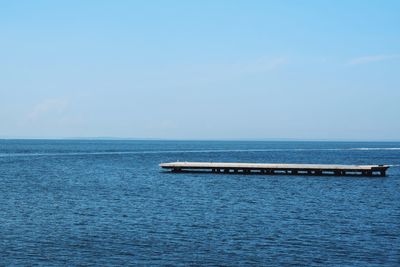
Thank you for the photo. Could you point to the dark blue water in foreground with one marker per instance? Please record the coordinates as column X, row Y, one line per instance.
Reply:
column 107, row 203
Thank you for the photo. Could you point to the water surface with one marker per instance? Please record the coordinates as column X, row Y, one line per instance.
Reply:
column 108, row 203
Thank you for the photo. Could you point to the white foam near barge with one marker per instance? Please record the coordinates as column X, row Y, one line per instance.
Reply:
column 288, row 169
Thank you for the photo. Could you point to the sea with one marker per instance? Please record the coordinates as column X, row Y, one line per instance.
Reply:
column 108, row 203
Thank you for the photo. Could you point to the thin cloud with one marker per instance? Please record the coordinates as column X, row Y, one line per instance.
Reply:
column 370, row 59
column 47, row 106
column 184, row 75
column 229, row 71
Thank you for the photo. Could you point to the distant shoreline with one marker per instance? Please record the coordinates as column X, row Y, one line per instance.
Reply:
column 192, row 140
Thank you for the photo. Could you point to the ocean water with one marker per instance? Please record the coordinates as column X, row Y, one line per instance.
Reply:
column 104, row 203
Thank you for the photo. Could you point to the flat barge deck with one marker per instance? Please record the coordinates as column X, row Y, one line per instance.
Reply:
column 273, row 168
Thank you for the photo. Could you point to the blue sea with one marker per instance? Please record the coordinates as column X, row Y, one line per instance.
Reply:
column 107, row 203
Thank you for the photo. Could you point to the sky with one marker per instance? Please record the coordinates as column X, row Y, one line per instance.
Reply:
column 210, row 69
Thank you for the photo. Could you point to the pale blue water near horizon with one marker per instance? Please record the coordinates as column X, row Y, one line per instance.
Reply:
column 105, row 203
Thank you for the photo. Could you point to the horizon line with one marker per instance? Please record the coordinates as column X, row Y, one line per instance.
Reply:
column 200, row 139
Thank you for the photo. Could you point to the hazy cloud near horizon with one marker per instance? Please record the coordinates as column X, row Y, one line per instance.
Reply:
column 206, row 70
column 374, row 58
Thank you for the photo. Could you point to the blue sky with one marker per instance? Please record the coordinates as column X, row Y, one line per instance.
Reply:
column 200, row 69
